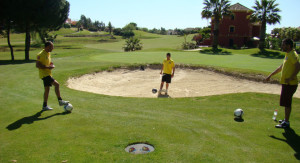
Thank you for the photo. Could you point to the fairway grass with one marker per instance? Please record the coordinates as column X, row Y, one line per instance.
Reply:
column 198, row 129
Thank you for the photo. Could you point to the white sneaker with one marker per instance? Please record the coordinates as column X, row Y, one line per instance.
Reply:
column 62, row 102
column 159, row 92
column 46, row 108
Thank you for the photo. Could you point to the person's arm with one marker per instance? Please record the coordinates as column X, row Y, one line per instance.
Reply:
column 297, row 69
column 39, row 65
column 274, row 73
column 173, row 72
column 162, row 69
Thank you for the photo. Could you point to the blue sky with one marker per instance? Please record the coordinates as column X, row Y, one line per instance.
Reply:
column 169, row 14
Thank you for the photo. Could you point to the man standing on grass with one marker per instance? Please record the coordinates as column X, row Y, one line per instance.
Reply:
column 45, row 66
column 289, row 70
column 168, row 70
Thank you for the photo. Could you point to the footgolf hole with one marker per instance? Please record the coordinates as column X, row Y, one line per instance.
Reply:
column 139, row 148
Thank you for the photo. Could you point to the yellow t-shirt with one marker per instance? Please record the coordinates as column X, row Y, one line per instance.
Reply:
column 45, row 58
column 288, row 67
column 168, row 66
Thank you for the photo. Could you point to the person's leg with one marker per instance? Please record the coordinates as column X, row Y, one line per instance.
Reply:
column 167, row 86
column 168, row 81
column 287, row 113
column 57, row 91
column 161, row 86
column 46, row 95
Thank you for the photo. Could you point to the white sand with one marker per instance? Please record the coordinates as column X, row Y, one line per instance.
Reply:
column 186, row 83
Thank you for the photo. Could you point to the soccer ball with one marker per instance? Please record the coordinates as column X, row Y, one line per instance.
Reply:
column 238, row 113
column 68, row 107
column 154, row 91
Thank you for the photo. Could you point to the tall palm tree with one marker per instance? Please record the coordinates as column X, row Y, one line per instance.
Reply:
column 215, row 9
column 265, row 11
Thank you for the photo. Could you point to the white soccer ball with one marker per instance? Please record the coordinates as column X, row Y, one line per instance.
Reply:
column 68, row 107
column 238, row 113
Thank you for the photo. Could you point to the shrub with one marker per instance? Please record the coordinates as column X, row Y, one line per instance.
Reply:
column 67, row 25
column 189, row 45
column 297, row 49
column 133, row 44
column 127, row 34
column 118, row 31
column 93, row 29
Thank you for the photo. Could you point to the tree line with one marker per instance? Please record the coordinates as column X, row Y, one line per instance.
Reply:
column 27, row 16
column 86, row 23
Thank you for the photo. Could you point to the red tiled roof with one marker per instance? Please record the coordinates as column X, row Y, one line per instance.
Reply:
column 238, row 7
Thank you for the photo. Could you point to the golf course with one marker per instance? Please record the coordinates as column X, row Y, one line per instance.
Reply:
column 100, row 127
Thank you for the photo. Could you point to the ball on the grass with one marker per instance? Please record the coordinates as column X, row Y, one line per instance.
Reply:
column 154, row 90
column 68, row 107
column 238, row 113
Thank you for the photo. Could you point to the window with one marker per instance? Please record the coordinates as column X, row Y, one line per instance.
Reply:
column 232, row 17
column 231, row 29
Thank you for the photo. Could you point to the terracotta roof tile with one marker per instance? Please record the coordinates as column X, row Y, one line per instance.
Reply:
column 239, row 7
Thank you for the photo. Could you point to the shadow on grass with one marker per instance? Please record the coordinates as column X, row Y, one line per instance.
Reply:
column 239, row 119
column 215, row 52
column 292, row 139
column 163, row 96
column 67, row 47
column 15, row 62
column 31, row 119
column 268, row 54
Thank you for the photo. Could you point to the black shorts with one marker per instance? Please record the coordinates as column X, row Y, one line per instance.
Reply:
column 166, row 78
column 287, row 92
column 48, row 80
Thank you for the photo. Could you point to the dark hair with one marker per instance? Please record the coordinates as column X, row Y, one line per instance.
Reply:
column 48, row 43
column 289, row 41
column 169, row 54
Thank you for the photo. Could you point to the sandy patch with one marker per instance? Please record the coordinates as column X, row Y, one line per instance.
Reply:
column 186, row 83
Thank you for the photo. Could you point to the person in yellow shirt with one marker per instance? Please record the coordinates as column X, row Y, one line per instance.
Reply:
column 289, row 70
column 168, row 70
column 44, row 64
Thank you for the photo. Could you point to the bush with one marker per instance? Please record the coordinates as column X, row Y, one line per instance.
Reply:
column 133, row 44
column 93, row 29
column 67, row 26
column 118, row 31
column 297, row 49
column 189, row 45
column 127, row 34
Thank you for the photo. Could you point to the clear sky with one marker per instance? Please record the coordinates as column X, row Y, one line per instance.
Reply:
column 169, row 14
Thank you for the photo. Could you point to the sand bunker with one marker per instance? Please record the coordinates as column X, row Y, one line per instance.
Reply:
column 186, row 83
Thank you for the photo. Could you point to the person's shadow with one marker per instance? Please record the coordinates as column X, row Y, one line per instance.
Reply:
column 163, row 96
column 29, row 120
column 292, row 139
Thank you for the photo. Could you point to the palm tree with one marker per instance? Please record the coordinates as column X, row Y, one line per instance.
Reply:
column 215, row 9
column 266, row 11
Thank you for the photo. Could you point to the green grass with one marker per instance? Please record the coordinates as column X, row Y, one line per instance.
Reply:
column 199, row 129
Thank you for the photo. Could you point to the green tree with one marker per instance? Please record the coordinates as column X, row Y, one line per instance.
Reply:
column 102, row 26
column 266, row 12
column 7, row 17
column 36, row 15
column 215, row 9
column 133, row 44
column 129, row 26
column 134, row 25
column 83, row 21
column 163, row 31
column 110, row 27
